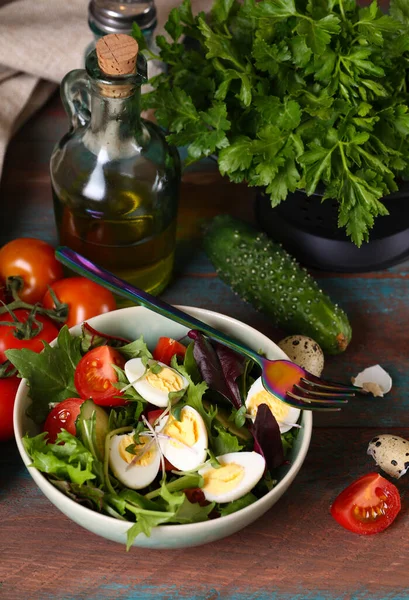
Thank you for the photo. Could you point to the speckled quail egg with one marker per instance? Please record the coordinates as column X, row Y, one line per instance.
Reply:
column 184, row 441
column 238, row 474
column 285, row 414
column 154, row 386
column 305, row 352
column 391, row 454
column 138, row 470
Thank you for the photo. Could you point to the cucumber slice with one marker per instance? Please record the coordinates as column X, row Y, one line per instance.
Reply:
column 93, row 431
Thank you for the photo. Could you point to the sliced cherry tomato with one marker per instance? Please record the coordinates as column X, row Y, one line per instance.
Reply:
column 368, row 505
column 35, row 262
column 94, row 376
column 63, row 416
column 14, row 335
column 85, row 299
column 8, row 389
column 153, row 415
column 166, row 348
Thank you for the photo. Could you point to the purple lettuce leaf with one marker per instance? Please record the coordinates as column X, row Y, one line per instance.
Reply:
column 91, row 338
column 267, row 437
column 219, row 367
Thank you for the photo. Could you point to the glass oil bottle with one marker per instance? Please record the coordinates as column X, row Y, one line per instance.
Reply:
column 114, row 177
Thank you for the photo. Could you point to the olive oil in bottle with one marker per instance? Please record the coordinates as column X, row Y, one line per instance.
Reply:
column 115, row 179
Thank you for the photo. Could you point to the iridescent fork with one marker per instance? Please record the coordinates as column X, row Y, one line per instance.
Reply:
column 289, row 382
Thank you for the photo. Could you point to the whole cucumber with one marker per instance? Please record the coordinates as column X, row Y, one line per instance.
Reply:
column 265, row 275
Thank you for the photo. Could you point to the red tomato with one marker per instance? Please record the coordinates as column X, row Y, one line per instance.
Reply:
column 368, row 505
column 8, row 389
column 166, row 348
column 94, row 376
column 153, row 415
column 35, row 262
column 85, row 299
column 9, row 333
column 63, row 416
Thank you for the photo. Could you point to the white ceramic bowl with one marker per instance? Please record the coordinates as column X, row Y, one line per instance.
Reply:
column 131, row 323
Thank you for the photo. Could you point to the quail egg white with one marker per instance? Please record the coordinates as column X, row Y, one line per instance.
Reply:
column 154, row 386
column 285, row 414
column 238, row 474
column 138, row 470
column 183, row 442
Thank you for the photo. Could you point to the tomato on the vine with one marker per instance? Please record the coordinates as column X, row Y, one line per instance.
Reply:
column 34, row 261
column 368, row 505
column 8, row 389
column 63, row 416
column 166, row 348
column 85, row 299
column 94, row 376
column 25, row 332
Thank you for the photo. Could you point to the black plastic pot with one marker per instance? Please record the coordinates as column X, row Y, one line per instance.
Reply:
column 307, row 228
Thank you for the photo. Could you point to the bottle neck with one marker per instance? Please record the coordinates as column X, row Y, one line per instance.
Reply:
column 116, row 127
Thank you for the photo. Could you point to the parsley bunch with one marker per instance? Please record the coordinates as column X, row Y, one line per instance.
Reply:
column 292, row 94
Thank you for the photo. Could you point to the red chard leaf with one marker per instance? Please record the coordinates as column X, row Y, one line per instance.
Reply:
column 267, row 437
column 219, row 367
column 91, row 338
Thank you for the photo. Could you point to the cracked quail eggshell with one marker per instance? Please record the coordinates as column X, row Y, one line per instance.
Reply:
column 391, row 454
column 305, row 352
column 374, row 378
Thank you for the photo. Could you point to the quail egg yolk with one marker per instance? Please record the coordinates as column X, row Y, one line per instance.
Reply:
column 184, row 431
column 167, row 380
column 277, row 407
column 146, row 458
column 222, row 480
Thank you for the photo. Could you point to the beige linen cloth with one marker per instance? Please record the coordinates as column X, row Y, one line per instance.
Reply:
column 40, row 41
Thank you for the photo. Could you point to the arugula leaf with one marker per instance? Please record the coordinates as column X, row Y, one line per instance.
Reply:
column 136, row 349
column 145, row 522
column 50, row 374
column 70, row 460
column 231, row 507
column 224, row 442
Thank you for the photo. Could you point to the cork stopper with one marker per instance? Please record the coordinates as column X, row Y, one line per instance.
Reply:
column 117, row 54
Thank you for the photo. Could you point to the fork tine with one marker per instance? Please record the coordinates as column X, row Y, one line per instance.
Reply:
column 329, row 395
column 332, row 385
column 314, row 400
column 303, row 404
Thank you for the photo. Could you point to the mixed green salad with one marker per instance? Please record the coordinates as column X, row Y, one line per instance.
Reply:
column 183, row 434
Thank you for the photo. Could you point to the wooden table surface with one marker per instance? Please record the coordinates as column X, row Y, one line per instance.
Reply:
column 296, row 550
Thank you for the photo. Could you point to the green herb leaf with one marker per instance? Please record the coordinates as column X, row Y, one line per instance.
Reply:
column 231, row 507
column 50, row 374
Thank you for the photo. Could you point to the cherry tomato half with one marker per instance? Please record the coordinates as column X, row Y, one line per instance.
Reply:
column 63, row 416
column 85, row 299
column 35, row 262
column 368, row 505
column 8, row 389
column 166, row 348
column 94, row 376
column 9, row 339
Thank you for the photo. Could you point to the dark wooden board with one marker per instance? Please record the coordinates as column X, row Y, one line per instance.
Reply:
column 296, row 550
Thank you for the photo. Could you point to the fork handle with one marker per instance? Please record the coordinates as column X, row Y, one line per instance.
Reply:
column 85, row 267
